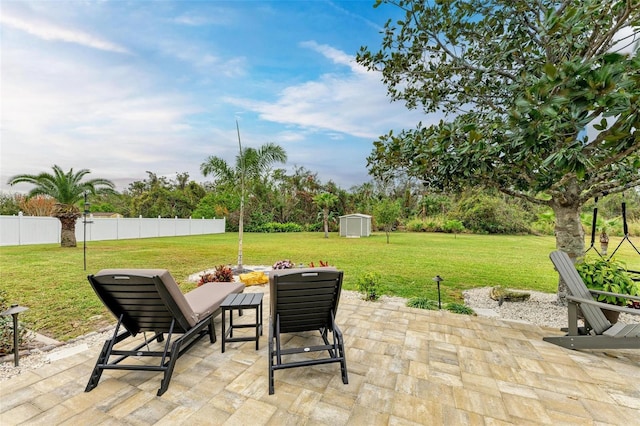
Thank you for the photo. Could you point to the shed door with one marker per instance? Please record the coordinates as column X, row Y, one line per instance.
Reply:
column 353, row 227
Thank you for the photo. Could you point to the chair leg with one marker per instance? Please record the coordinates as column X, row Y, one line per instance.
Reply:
column 339, row 342
column 212, row 331
column 271, row 354
column 573, row 318
column 175, row 354
column 172, row 350
column 325, row 337
column 97, row 370
column 343, row 363
column 105, row 354
column 343, row 367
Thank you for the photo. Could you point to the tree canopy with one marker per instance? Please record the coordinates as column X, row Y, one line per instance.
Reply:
column 66, row 188
column 164, row 197
column 253, row 165
column 541, row 99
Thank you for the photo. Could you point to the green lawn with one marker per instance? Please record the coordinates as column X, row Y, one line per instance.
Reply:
column 51, row 281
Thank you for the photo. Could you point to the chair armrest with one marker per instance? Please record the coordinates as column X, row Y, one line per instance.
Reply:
column 602, row 305
column 622, row 296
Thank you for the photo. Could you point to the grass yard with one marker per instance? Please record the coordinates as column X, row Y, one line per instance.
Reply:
column 51, row 281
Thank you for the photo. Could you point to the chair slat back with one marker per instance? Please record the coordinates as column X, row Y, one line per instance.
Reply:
column 577, row 287
column 304, row 299
column 142, row 298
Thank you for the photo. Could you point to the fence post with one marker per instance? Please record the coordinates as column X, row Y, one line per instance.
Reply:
column 20, row 214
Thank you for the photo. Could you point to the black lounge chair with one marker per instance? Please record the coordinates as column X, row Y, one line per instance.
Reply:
column 304, row 299
column 598, row 332
column 150, row 300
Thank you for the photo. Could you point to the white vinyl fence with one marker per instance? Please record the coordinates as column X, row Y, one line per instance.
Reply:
column 23, row 230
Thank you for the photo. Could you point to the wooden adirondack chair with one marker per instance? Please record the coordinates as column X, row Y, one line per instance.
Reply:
column 598, row 333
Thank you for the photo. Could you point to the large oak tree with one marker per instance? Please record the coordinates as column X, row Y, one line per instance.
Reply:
column 541, row 99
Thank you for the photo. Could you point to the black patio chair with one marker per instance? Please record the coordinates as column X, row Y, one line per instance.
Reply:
column 301, row 300
column 150, row 300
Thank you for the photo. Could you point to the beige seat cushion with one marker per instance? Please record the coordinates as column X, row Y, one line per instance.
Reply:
column 207, row 298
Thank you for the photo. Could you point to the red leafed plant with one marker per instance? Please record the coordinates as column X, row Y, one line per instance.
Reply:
column 222, row 274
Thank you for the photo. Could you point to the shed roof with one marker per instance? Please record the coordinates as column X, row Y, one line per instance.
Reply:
column 356, row 215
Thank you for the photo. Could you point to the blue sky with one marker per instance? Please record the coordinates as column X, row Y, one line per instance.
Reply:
column 122, row 87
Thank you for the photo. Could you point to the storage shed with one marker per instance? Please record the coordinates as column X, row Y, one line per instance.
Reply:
column 355, row 225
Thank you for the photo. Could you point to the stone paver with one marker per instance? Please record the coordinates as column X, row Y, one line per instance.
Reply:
column 406, row 367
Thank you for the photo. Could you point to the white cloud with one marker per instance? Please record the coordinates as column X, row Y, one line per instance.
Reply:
column 202, row 60
column 289, row 136
column 51, row 32
column 353, row 103
column 111, row 119
column 335, row 55
column 218, row 16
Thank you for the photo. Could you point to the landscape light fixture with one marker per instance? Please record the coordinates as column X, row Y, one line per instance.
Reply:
column 14, row 310
column 438, row 279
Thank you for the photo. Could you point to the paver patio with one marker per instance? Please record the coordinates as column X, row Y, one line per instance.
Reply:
column 406, row 366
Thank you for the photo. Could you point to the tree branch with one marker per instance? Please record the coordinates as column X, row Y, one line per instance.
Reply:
column 455, row 58
column 603, row 42
column 614, row 158
column 609, row 188
column 524, row 196
column 532, row 31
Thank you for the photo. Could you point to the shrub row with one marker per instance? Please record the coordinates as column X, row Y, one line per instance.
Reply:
column 271, row 227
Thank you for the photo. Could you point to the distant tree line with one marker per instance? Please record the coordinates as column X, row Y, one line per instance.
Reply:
column 278, row 201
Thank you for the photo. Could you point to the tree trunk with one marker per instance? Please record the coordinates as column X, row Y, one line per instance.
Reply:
column 569, row 237
column 67, row 214
column 240, row 267
column 325, row 220
column 68, row 232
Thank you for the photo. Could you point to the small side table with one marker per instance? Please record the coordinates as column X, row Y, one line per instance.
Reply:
column 240, row 302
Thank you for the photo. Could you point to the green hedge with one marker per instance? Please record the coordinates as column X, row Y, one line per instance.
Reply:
column 272, row 227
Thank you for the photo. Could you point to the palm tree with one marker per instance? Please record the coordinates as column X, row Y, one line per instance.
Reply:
column 325, row 201
column 252, row 164
column 252, row 167
column 67, row 189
